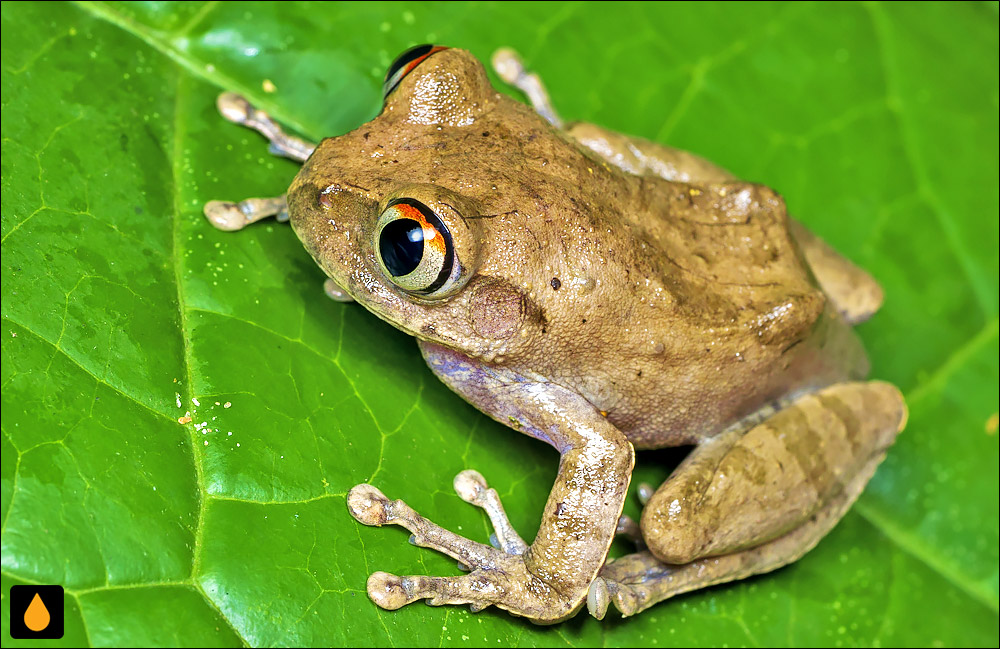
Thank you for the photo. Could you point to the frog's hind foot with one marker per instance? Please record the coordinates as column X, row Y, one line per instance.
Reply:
column 510, row 68
column 369, row 506
column 238, row 110
column 605, row 591
column 625, row 582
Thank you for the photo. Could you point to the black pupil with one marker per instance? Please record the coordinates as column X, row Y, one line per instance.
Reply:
column 401, row 245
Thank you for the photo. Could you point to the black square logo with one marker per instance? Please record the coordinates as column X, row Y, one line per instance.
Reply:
column 36, row 612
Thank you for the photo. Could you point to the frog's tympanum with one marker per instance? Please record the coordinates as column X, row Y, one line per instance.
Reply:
column 600, row 293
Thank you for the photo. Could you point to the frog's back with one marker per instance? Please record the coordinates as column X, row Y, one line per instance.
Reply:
column 723, row 316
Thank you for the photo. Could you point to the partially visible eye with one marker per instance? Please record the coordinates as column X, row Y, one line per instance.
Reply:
column 414, row 247
column 404, row 64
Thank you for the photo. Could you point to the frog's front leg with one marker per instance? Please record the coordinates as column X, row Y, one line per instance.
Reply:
column 230, row 216
column 751, row 501
column 547, row 581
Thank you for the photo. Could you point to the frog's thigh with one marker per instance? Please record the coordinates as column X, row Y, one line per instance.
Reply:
column 644, row 158
column 744, row 488
column 752, row 502
column 637, row 581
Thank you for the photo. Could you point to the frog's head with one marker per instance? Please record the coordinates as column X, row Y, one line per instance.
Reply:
column 432, row 214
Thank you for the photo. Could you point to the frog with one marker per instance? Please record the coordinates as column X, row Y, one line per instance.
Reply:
column 604, row 294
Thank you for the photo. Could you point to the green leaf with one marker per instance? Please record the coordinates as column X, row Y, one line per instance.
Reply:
column 877, row 122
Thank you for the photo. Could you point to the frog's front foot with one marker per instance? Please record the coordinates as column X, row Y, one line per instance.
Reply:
column 499, row 575
column 238, row 110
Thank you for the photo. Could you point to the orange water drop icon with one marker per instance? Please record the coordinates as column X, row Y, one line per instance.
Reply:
column 37, row 616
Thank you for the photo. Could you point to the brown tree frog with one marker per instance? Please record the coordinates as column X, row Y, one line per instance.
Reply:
column 601, row 293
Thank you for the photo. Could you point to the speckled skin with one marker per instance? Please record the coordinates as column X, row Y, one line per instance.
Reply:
column 610, row 293
column 680, row 309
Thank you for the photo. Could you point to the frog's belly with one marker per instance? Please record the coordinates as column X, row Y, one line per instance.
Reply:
column 675, row 407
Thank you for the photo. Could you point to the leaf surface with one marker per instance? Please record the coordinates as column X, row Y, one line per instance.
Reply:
column 124, row 311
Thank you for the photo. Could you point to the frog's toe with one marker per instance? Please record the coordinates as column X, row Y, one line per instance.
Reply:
column 392, row 592
column 471, row 487
column 604, row 592
column 629, row 528
column 598, row 598
column 509, row 67
column 368, row 505
column 234, row 107
column 389, row 591
column 334, row 292
column 225, row 215
column 469, row 484
column 624, row 597
column 238, row 110
column 645, row 491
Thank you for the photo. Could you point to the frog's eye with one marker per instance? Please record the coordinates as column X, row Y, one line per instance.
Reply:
column 414, row 247
column 404, row 64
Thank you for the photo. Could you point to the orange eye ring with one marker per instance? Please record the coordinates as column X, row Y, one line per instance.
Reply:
column 414, row 247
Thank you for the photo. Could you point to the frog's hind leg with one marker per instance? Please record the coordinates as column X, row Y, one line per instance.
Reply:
column 637, row 581
column 854, row 293
column 749, row 502
column 510, row 68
